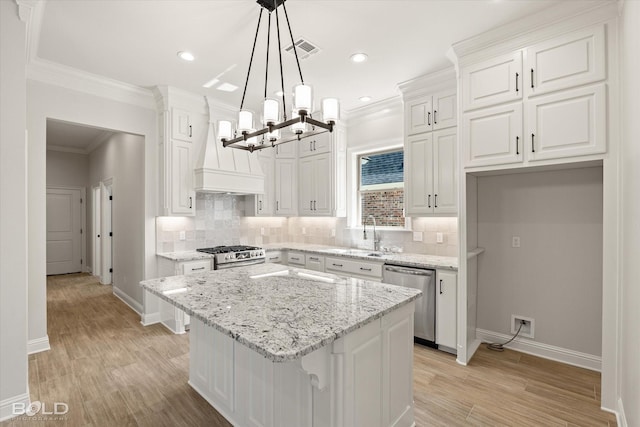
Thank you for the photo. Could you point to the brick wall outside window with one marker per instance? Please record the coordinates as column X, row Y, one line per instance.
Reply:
column 385, row 205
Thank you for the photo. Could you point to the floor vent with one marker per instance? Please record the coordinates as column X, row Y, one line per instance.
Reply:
column 304, row 47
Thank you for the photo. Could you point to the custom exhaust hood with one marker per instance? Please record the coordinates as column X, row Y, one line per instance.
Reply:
column 225, row 170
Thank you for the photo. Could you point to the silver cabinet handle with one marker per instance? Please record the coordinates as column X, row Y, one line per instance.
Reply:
column 365, row 269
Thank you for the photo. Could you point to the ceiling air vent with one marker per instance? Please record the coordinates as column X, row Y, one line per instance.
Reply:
column 304, row 47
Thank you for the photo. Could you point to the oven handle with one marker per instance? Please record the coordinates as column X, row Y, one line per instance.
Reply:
column 239, row 264
column 411, row 271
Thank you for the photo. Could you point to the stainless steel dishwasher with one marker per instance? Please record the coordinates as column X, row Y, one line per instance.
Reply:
column 424, row 318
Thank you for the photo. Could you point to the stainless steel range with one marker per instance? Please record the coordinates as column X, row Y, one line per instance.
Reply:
column 234, row 256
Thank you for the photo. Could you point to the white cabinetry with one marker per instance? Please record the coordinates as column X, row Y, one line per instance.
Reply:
column 561, row 103
column 176, row 320
column 285, row 187
column 354, row 268
column 446, row 312
column 430, row 145
column 182, row 133
column 296, row 259
column 264, row 204
column 274, row 256
column 431, row 176
column 314, row 262
column 322, row 166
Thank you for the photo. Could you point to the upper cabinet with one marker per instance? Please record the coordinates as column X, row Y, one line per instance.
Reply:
column 182, row 134
column 322, row 168
column 264, row 204
column 552, row 107
column 431, row 145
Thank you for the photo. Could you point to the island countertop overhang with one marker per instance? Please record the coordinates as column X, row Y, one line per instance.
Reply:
column 281, row 312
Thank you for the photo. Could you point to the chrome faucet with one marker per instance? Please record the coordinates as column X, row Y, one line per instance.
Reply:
column 376, row 239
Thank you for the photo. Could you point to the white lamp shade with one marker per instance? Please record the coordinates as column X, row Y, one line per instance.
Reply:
column 245, row 121
column 252, row 141
column 224, row 129
column 302, row 97
column 273, row 136
column 271, row 110
column 298, row 127
column 330, row 110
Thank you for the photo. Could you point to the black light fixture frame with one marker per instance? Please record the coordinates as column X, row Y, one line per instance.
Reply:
column 303, row 115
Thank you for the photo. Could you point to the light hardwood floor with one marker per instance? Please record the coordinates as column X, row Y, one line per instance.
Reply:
column 112, row 371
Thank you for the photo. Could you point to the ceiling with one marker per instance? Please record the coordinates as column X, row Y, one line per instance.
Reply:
column 74, row 138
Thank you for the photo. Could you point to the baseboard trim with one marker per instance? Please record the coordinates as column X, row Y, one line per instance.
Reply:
column 150, row 319
column 546, row 351
column 38, row 345
column 133, row 304
column 621, row 417
column 470, row 352
column 6, row 406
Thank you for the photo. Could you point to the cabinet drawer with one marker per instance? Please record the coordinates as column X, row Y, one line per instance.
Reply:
column 314, row 262
column 195, row 266
column 296, row 258
column 349, row 266
column 273, row 256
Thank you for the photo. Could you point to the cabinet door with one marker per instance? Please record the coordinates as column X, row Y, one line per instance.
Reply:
column 419, row 174
column 316, row 144
column 266, row 201
column 323, row 185
column 493, row 136
column 183, row 198
column 181, row 125
column 418, row 116
column 568, row 61
column 296, row 259
column 445, row 110
column 445, row 171
column 288, row 150
column 314, row 262
column 190, row 267
column 567, row 124
column 446, row 312
column 492, row 82
column 306, row 186
column 286, row 188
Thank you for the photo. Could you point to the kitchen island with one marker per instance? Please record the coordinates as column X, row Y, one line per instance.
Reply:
column 272, row 345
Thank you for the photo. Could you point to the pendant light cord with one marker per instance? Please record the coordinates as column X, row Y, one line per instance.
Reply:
column 295, row 50
column 251, row 60
column 284, row 105
column 266, row 73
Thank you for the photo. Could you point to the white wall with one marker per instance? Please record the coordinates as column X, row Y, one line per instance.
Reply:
column 67, row 169
column 56, row 102
column 555, row 276
column 121, row 158
column 13, row 211
column 629, row 369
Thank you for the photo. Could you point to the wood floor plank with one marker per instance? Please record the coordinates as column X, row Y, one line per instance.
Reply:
column 112, row 371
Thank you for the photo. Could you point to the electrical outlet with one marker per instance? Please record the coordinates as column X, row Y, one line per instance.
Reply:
column 439, row 237
column 515, row 241
column 304, row 230
column 417, row 236
column 262, row 233
column 183, row 235
column 333, row 232
column 528, row 326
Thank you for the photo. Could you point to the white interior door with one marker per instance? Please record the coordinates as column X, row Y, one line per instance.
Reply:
column 64, row 231
column 107, row 233
column 96, row 212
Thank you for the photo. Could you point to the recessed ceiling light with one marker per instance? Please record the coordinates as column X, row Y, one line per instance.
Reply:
column 365, row 98
column 227, row 87
column 186, row 56
column 359, row 57
column 211, row 83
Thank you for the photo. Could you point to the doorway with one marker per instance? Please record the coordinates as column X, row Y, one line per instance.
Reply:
column 65, row 228
column 106, row 231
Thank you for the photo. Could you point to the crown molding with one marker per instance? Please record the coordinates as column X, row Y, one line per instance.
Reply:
column 71, row 78
column 64, row 149
column 426, row 84
column 376, row 108
column 548, row 23
column 99, row 140
column 30, row 12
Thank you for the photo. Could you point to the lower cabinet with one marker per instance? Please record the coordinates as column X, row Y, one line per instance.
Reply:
column 274, row 256
column 176, row 320
column 296, row 259
column 314, row 262
column 446, row 312
column 354, row 268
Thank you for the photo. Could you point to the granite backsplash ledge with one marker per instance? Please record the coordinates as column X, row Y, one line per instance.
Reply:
column 220, row 220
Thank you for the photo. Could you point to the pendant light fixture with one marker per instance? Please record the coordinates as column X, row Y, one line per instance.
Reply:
column 274, row 115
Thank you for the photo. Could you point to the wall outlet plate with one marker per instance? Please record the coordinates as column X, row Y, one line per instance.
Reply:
column 183, row 235
column 417, row 236
column 262, row 233
column 528, row 329
column 333, row 232
column 439, row 237
column 515, row 241
column 304, row 230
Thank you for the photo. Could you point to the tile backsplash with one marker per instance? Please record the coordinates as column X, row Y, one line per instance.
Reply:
column 220, row 220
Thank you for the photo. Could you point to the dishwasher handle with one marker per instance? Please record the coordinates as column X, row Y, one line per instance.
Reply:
column 411, row 271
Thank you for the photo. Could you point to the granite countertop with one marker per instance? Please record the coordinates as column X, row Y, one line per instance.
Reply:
column 185, row 255
column 397, row 258
column 280, row 312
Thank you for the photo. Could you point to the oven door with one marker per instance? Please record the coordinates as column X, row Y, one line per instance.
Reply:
column 241, row 263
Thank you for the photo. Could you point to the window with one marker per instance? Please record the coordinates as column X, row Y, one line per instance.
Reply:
column 381, row 188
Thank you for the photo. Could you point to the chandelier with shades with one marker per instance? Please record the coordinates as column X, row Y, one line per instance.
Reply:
column 274, row 116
